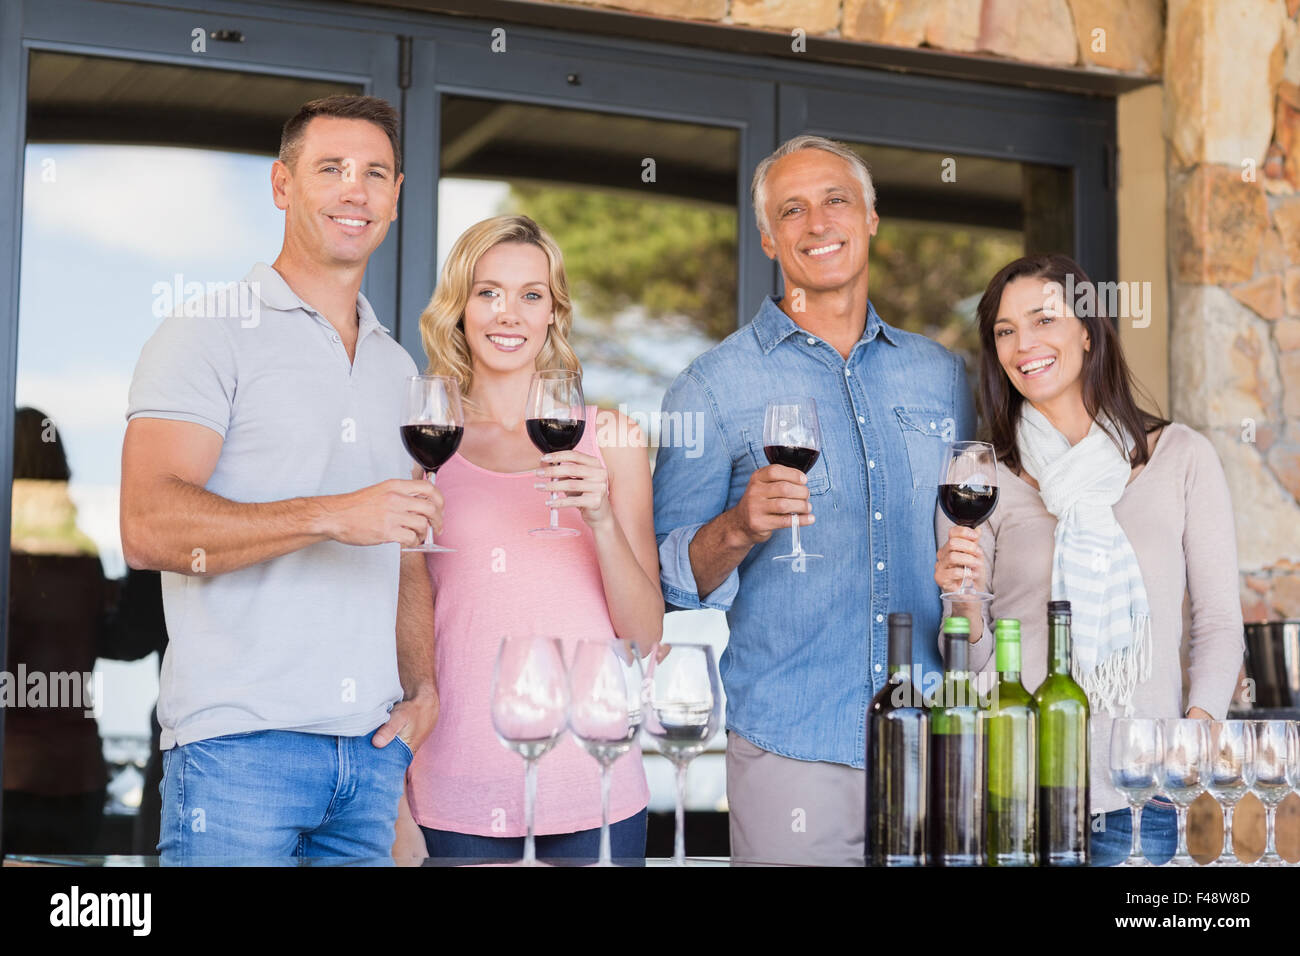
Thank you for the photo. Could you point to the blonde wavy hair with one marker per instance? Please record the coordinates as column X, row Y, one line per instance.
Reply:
column 442, row 323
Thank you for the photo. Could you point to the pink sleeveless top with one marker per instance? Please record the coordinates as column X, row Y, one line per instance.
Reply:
column 502, row 580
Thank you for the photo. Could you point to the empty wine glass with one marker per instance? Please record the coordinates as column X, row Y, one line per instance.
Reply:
column 1186, row 771
column 432, row 426
column 1232, row 774
column 683, row 701
column 1275, row 745
column 792, row 437
column 1137, row 756
column 530, row 699
column 605, row 711
column 968, row 492
column 555, row 419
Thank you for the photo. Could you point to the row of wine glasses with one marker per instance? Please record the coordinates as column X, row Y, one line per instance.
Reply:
column 1184, row 758
column 605, row 700
column 433, row 423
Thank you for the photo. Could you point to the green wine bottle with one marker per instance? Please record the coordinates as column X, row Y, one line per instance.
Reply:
column 897, row 760
column 956, row 804
column 1009, row 734
column 1062, row 752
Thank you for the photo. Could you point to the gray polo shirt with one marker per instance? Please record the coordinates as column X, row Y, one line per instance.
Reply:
column 306, row 641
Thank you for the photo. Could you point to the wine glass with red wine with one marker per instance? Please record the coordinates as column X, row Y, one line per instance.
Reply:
column 555, row 418
column 432, row 427
column 792, row 437
column 968, row 492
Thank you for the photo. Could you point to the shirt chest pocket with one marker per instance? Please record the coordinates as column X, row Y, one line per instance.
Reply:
column 819, row 476
column 926, row 433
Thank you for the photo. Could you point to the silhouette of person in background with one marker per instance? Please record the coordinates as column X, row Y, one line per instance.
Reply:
column 63, row 615
column 54, row 772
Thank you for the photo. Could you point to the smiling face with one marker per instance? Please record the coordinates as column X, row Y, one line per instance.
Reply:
column 820, row 226
column 341, row 195
column 509, row 307
column 1040, row 343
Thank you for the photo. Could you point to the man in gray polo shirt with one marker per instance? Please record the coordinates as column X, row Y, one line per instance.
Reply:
column 260, row 475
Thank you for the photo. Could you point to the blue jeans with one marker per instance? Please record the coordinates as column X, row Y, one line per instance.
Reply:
column 626, row 842
column 276, row 794
column 1111, row 845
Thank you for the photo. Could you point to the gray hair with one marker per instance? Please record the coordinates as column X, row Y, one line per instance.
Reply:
column 758, row 188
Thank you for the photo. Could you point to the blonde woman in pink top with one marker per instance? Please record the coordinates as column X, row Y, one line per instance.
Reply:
column 501, row 312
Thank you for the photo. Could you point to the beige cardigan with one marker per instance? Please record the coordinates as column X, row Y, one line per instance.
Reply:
column 1177, row 514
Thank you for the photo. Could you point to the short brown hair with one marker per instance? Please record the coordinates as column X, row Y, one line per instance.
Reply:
column 370, row 108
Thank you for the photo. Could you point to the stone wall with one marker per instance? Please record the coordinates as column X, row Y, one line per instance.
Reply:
column 1232, row 123
column 1122, row 35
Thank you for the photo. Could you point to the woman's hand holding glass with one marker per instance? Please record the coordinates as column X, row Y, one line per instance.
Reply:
column 582, row 482
column 961, row 558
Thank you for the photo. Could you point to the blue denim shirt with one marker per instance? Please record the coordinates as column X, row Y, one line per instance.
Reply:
column 808, row 650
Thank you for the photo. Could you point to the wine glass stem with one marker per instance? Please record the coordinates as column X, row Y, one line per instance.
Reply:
column 1135, row 852
column 555, row 512
column 796, row 547
column 965, row 580
column 428, row 534
column 530, row 795
column 1270, row 845
column 1229, row 852
column 604, row 814
column 679, row 842
column 1182, row 854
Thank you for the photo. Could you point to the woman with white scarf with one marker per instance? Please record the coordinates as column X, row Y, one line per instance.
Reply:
column 1118, row 511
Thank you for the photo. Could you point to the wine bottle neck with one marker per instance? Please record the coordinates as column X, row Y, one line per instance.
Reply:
column 1060, row 639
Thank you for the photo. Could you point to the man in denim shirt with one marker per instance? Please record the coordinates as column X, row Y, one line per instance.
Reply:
column 808, row 642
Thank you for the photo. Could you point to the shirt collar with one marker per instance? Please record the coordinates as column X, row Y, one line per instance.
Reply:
column 773, row 326
column 269, row 286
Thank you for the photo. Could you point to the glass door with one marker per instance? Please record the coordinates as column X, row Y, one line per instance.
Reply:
column 146, row 152
column 641, row 174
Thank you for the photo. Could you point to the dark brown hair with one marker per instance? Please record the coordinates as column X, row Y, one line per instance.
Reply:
column 1108, row 383
column 369, row 108
column 34, row 457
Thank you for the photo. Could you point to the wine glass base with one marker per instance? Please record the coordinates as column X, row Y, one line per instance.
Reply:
column 793, row 556
column 957, row 597
column 428, row 549
column 549, row 532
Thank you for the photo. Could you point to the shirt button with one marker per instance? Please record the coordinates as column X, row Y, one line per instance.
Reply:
column 811, row 340
column 880, row 565
column 336, row 338
column 861, row 420
column 879, row 618
column 848, row 373
column 877, row 668
column 931, row 424
column 877, row 515
column 871, row 464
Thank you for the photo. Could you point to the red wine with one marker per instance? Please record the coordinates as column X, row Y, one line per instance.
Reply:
column 432, row 445
column 956, row 765
column 1063, row 816
column 898, row 737
column 967, row 505
column 792, row 456
column 555, row 434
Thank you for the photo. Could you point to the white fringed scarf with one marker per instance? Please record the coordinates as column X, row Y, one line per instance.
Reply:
column 1093, row 565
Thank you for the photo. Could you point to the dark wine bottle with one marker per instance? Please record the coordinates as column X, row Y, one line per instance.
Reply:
column 1010, row 737
column 1062, row 752
column 897, row 760
column 956, row 804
